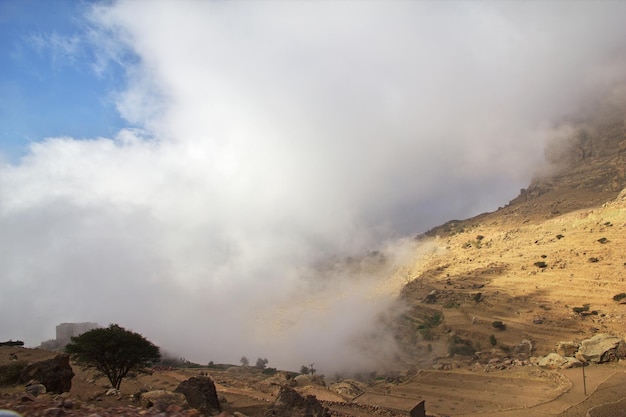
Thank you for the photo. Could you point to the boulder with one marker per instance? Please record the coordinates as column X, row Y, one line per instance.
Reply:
column 523, row 348
column 304, row 380
column 200, row 393
column 161, row 399
column 35, row 388
column 55, row 374
column 567, row 348
column 347, row 388
column 602, row 348
column 556, row 361
column 291, row 404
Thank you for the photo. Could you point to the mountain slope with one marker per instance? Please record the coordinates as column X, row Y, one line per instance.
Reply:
column 560, row 245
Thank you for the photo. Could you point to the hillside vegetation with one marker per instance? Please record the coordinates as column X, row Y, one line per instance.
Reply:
column 549, row 266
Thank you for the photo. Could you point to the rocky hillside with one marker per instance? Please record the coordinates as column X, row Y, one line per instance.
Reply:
column 588, row 163
column 548, row 267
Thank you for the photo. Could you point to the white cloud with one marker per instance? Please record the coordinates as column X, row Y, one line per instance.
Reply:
column 276, row 134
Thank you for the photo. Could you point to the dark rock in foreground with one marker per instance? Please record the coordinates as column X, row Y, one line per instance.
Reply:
column 55, row 374
column 201, row 394
column 291, row 404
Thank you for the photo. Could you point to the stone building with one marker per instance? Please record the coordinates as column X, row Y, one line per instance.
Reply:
column 65, row 331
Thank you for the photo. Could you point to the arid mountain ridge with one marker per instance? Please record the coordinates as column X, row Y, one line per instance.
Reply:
column 559, row 245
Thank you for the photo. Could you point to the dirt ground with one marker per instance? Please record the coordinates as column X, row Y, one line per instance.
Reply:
column 509, row 393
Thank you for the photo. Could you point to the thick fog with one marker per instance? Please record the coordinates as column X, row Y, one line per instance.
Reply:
column 271, row 138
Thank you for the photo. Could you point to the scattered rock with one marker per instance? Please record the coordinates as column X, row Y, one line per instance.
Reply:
column 556, row 361
column 304, row 380
column 53, row 412
column 278, row 380
column 602, row 348
column 524, row 348
column 112, row 392
column 55, row 374
column 567, row 348
column 347, row 388
column 161, row 399
column 200, row 393
column 291, row 404
column 34, row 388
column 27, row 398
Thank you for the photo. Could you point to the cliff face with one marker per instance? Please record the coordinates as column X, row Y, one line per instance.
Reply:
column 585, row 168
column 591, row 158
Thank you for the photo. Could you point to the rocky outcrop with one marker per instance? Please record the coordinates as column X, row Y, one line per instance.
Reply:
column 523, row 348
column 591, row 156
column 602, row 348
column 200, row 394
column 161, row 399
column 55, row 374
column 34, row 388
column 347, row 388
column 291, row 404
column 555, row 361
column 598, row 349
column 304, row 380
column 567, row 348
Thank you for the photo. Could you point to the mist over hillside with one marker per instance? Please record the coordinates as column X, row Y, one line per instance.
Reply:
column 267, row 139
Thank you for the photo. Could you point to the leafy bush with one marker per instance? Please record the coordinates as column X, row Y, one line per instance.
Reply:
column 10, row 373
column 451, row 304
column 459, row 346
column 579, row 310
column 498, row 325
column 620, row 296
column 434, row 320
column 427, row 334
column 430, row 322
column 269, row 371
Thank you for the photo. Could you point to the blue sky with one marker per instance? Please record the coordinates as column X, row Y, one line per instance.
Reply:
column 49, row 85
column 196, row 160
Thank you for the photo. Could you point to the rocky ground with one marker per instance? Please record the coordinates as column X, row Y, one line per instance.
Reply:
column 509, row 392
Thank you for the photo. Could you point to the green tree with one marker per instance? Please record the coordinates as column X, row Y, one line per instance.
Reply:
column 261, row 363
column 113, row 351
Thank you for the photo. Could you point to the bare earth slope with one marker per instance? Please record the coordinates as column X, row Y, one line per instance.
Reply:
column 525, row 272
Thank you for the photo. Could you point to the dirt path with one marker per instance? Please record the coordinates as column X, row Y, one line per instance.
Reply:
column 572, row 402
column 610, row 390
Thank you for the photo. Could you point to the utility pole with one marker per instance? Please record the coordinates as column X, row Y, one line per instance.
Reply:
column 584, row 380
